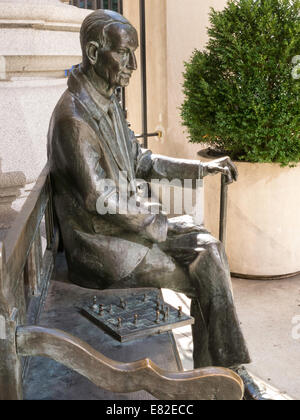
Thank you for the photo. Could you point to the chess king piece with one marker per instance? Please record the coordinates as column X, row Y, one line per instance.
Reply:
column 89, row 141
column 119, row 322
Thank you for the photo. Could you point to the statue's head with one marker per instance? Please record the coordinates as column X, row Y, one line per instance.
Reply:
column 108, row 43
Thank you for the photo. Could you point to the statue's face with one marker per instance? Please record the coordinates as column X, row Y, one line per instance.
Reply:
column 116, row 63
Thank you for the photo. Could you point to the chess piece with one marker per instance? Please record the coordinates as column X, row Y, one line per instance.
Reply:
column 145, row 298
column 110, row 309
column 101, row 310
column 167, row 313
column 123, row 303
column 119, row 322
column 180, row 312
column 95, row 306
column 157, row 317
column 164, row 316
column 135, row 319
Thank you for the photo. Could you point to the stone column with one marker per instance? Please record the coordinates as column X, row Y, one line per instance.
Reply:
column 39, row 43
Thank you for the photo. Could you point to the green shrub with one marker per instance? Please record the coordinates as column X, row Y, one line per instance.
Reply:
column 240, row 95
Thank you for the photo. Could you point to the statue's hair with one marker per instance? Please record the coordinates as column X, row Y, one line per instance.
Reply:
column 94, row 28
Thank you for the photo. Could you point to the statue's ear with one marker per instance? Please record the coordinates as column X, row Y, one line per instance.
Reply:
column 92, row 52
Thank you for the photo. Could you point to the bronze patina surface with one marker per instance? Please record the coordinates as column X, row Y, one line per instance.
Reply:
column 89, row 141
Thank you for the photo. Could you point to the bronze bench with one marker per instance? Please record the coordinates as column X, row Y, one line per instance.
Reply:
column 25, row 274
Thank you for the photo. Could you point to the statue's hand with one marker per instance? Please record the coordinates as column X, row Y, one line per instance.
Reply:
column 157, row 231
column 183, row 225
column 224, row 166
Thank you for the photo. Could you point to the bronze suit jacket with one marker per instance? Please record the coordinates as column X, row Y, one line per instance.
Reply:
column 88, row 141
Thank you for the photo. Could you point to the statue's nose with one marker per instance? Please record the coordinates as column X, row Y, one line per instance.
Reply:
column 132, row 64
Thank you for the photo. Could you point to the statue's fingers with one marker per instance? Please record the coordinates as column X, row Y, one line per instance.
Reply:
column 229, row 180
column 227, row 172
column 234, row 170
column 224, row 170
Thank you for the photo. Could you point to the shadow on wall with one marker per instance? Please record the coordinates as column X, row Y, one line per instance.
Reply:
column 11, row 184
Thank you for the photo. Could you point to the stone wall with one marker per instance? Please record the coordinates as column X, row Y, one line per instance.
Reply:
column 39, row 42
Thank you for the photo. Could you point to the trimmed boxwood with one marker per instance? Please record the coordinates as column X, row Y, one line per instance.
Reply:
column 242, row 93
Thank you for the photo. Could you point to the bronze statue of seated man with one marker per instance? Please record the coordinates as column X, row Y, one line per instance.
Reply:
column 89, row 141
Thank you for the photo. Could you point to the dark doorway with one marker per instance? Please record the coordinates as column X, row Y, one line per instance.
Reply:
column 116, row 5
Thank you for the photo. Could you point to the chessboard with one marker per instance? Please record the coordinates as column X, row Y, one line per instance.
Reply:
column 139, row 315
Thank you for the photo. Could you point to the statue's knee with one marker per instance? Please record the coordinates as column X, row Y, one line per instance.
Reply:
column 214, row 246
column 218, row 245
column 215, row 256
column 217, row 249
column 211, row 255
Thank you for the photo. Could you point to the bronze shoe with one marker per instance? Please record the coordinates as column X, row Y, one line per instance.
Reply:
column 253, row 391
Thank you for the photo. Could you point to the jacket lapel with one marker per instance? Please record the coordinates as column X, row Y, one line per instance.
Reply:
column 122, row 137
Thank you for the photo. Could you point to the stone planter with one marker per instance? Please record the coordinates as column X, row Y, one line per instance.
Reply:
column 263, row 227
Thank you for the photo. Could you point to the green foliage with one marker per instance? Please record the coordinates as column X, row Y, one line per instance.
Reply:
column 240, row 95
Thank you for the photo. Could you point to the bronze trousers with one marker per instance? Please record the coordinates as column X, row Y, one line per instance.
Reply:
column 196, row 264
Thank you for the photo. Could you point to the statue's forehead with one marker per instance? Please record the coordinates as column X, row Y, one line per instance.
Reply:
column 122, row 34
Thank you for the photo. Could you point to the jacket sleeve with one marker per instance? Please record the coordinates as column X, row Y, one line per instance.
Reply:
column 85, row 168
column 150, row 166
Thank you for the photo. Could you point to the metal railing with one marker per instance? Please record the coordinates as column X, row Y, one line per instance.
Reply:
column 116, row 5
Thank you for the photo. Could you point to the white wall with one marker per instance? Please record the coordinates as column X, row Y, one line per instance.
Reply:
column 174, row 29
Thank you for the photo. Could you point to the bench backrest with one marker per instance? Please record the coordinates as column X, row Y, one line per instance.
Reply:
column 24, row 275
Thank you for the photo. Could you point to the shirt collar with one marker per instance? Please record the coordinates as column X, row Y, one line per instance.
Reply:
column 81, row 86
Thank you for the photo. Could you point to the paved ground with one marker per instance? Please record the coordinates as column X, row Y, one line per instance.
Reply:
column 267, row 310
